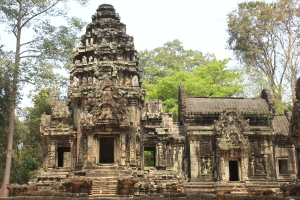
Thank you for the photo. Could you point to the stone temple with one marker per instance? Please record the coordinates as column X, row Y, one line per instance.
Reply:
column 106, row 141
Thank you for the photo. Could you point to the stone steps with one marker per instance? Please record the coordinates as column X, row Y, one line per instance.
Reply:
column 109, row 173
column 104, row 188
column 237, row 188
column 105, row 180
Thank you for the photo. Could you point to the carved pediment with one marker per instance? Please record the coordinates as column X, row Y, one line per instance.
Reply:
column 229, row 127
column 111, row 108
column 231, row 119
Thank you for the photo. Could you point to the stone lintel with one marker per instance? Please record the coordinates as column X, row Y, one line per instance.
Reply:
column 200, row 133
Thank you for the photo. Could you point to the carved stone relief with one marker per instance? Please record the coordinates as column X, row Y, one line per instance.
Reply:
column 230, row 127
column 135, row 81
column 206, row 166
column 258, row 165
column 161, row 154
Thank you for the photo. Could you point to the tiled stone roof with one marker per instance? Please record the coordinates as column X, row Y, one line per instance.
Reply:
column 280, row 125
column 217, row 105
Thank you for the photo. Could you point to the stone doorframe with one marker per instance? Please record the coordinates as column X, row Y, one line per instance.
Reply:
column 117, row 147
column 233, row 155
column 54, row 148
column 94, row 147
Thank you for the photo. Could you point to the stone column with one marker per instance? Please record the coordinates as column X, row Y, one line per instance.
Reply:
column 193, row 159
column 52, row 154
column 132, row 154
column 123, row 149
column 222, row 169
column 90, row 149
column 79, row 143
column 160, row 155
column 244, row 166
column 132, row 113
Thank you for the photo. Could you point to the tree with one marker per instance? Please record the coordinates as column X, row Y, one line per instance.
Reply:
column 212, row 80
column 34, row 59
column 5, row 93
column 28, row 146
column 172, row 56
column 265, row 39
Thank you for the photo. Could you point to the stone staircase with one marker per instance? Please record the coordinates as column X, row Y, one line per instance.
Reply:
column 105, row 180
column 104, row 188
column 202, row 187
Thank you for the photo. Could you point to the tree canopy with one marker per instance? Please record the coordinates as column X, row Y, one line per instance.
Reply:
column 172, row 56
column 167, row 67
column 265, row 39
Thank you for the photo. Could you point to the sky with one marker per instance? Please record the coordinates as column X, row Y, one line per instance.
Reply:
column 198, row 24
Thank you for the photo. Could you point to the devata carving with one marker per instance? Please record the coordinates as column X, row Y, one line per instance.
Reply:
column 206, row 166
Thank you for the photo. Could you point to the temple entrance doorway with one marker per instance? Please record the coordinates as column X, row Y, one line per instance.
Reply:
column 63, row 157
column 107, row 150
column 233, row 171
column 149, row 156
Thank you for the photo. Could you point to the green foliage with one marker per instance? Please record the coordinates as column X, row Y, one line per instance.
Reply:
column 42, row 105
column 28, row 146
column 149, row 158
column 214, row 79
column 265, row 39
column 172, row 56
column 30, row 163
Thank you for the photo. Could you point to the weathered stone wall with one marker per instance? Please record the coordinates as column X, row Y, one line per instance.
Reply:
column 168, row 196
column 160, row 132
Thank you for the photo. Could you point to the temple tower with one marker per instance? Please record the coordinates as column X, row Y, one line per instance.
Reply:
column 100, row 122
column 105, row 92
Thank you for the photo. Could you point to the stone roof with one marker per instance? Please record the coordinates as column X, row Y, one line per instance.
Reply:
column 217, row 105
column 281, row 125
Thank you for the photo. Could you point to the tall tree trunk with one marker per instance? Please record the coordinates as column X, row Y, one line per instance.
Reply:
column 4, row 191
column 11, row 124
column 293, row 81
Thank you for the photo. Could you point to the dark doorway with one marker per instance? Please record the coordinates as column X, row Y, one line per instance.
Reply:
column 233, row 171
column 63, row 157
column 283, row 166
column 106, row 150
column 149, row 156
